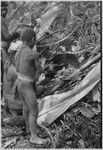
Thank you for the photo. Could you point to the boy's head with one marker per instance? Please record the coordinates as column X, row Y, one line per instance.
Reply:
column 28, row 36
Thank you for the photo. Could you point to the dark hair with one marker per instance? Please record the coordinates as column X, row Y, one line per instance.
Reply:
column 27, row 34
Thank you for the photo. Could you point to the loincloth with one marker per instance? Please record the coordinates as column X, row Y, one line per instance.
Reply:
column 25, row 79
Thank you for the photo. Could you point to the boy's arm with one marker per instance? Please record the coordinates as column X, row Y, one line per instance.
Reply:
column 17, row 60
column 35, row 58
column 37, row 62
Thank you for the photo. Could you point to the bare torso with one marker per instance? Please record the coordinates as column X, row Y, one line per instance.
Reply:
column 25, row 61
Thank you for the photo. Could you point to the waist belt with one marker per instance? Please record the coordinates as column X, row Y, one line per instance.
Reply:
column 25, row 78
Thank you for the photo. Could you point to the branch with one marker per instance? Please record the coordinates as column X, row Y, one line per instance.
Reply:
column 59, row 40
column 66, row 27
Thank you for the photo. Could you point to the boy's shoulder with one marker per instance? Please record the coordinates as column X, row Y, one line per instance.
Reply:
column 23, row 49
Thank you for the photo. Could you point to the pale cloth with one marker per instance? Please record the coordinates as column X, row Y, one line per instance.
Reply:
column 25, row 78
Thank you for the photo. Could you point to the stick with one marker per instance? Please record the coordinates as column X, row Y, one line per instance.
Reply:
column 59, row 40
column 90, row 62
column 11, row 134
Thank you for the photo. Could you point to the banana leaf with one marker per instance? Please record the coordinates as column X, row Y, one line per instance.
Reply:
column 44, row 23
column 46, row 20
column 53, row 106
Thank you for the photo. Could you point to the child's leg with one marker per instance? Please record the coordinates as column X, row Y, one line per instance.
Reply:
column 31, row 101
column 25, row 113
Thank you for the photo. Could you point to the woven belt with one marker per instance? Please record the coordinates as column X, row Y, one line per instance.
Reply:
column 25, row 78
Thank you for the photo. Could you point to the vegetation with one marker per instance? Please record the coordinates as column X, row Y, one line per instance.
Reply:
column 74, row 28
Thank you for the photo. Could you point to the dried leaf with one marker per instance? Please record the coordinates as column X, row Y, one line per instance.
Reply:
column 9, row 143
column 81, row 144
column 87, row 112
column 96, row 93
column 97, row 109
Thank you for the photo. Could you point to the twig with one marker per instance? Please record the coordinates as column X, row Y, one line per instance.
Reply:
column 66, row 27
column 59, row 40
column 50, row 34
column 43, row 50
column 12, row 134
column 75, row 133
column 11, row 143
column 11, row 124
column 54, row 146
column 56, row 137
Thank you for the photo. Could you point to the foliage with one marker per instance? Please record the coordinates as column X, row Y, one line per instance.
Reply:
column 76, row 28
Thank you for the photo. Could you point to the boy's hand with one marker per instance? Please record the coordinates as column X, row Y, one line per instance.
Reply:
column 41, row 78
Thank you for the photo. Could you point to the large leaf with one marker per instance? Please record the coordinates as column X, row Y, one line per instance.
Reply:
column 55, row 105
column 46, row 20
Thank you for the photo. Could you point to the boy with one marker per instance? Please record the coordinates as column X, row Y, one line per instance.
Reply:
column 27, row 63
